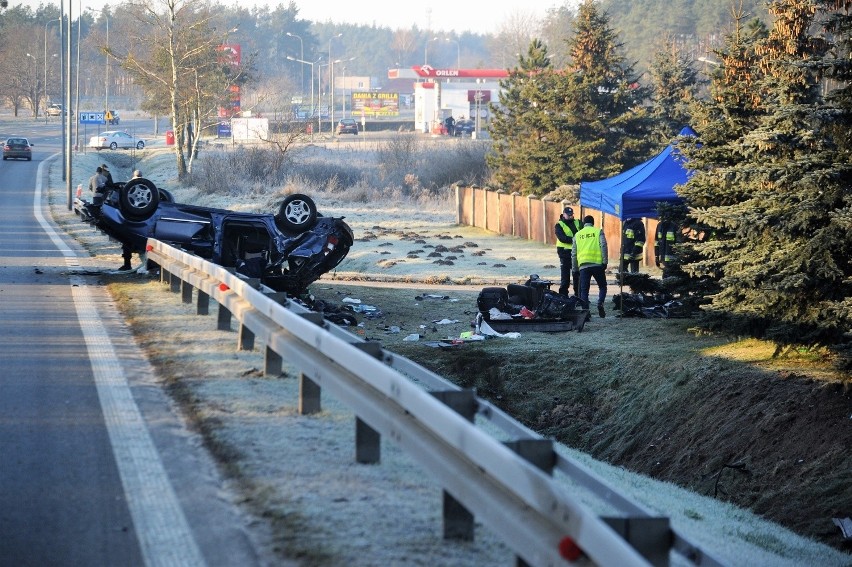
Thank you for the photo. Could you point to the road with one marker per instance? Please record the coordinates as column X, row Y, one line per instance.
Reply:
column 95, row 467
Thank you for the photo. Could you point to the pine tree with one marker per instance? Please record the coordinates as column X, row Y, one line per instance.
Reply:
column 775, row 193
column 557, row 127
column 674, row 84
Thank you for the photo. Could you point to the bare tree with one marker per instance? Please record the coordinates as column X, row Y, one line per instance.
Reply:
column 175, row 55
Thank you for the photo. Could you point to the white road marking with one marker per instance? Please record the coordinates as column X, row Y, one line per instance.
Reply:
column 161, row 528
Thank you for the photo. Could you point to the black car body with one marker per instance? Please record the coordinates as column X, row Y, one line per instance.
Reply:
column 287, row 251
column 347, row 126
column 18, row 148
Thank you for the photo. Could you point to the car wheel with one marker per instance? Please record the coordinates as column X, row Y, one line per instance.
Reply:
column 140, row 145
column 298, row 213
column 30, row 158
column 113, row 146
column 139, row 198
column 165, row 196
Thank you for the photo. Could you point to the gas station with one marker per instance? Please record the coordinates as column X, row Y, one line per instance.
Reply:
column 460, row 93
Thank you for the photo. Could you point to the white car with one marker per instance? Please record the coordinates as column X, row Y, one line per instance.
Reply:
column 114, row 139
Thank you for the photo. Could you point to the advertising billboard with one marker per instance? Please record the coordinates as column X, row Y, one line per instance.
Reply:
column 375, row 104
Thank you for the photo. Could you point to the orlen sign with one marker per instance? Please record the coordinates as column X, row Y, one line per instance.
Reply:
column 429, row 72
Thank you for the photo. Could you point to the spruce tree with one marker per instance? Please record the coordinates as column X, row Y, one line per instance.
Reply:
column 674, row 84
column 782, row 249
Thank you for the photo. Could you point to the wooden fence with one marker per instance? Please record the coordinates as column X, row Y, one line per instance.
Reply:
column 533, row 218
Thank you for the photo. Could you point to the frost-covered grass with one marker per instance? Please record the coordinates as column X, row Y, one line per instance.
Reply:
column 297, row 472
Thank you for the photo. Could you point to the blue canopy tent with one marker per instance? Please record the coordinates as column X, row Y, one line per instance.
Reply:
column 636, row 192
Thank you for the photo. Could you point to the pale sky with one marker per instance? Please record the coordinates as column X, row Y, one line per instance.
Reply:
column 438, row 15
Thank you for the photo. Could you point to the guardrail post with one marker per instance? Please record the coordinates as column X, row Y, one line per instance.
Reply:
column 310, row 393
column 458, row 521
column 202, row 303
column 272, row 362
column 186, row 292
column 540, row 453
column 246, row 339
column 223, row 322
column 175, row 283
column 651, row 537
column 368, row 441
column 310, row 396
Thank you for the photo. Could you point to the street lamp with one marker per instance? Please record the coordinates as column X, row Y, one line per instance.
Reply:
column 312, row 86
column 302, row 51
column 106, row 83
column 458, row 51
column 331, row 80
column 344, row 84
column 426, row 51
column 45, row 62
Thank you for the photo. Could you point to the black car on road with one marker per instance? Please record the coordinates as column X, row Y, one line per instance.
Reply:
column 287, row 251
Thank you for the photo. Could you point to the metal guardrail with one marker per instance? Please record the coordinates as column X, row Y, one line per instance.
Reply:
column 508, row 486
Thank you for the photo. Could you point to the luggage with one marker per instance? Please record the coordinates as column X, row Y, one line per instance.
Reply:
column 492, row 297
column 555, row 306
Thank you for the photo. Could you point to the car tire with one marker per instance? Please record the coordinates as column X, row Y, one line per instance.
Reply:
column 165, row 196
column 113, row 146
column 297, row 213
column 140, row 145
column 139, row 198
column 30, row 158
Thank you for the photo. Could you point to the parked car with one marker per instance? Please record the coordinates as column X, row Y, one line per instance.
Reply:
column 18, row 148
column 347, row 126
column 112, row 117
column 114, row 139
column 287, row 251
column 55, row 110
column 464, row 128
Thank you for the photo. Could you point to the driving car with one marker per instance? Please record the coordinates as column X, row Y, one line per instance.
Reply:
column 54, row 110
column 112, row 117
column 114, row 139
column 347, row 126
column 18, row 148
column 286, row 251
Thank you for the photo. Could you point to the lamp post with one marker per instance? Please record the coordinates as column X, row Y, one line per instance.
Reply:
column 426, row 51
column 106, row 83
column 302, row 51
column 35, row 90
column 312, row 86
column 458, row 51
column 331, row 80
column 45, row 62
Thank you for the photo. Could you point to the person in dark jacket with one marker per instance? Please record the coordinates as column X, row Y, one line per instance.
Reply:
column 590, row 256
column 632, row 245
column 107, row 174
column 667, row 236
column 565, row 230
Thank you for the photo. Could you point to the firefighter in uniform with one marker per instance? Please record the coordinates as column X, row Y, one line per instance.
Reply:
column 565, row 230
column 666, row 238
column 632, row 245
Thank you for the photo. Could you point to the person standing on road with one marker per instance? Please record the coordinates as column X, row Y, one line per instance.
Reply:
column 565, row 230
column 126, row 251
column 97, row 184
column 589, row 255
column 632, row 245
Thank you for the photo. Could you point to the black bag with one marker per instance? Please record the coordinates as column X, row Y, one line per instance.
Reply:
column 496, row 297
column 556, row 306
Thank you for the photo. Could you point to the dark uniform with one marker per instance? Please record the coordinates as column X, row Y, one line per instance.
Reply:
column 666, row 237
column 632, row 245
column 565, row 230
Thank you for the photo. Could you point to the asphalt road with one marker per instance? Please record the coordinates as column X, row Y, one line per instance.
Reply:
column 95, row 467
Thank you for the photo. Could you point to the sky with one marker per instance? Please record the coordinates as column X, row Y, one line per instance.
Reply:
column 455, row 15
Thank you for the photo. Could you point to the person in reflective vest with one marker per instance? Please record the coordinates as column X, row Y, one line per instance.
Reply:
column 666, row 238
column 565, row 230
column 589, row 256
column 632, row 245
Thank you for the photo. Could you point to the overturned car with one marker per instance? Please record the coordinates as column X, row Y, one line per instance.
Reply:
column 287, row 251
